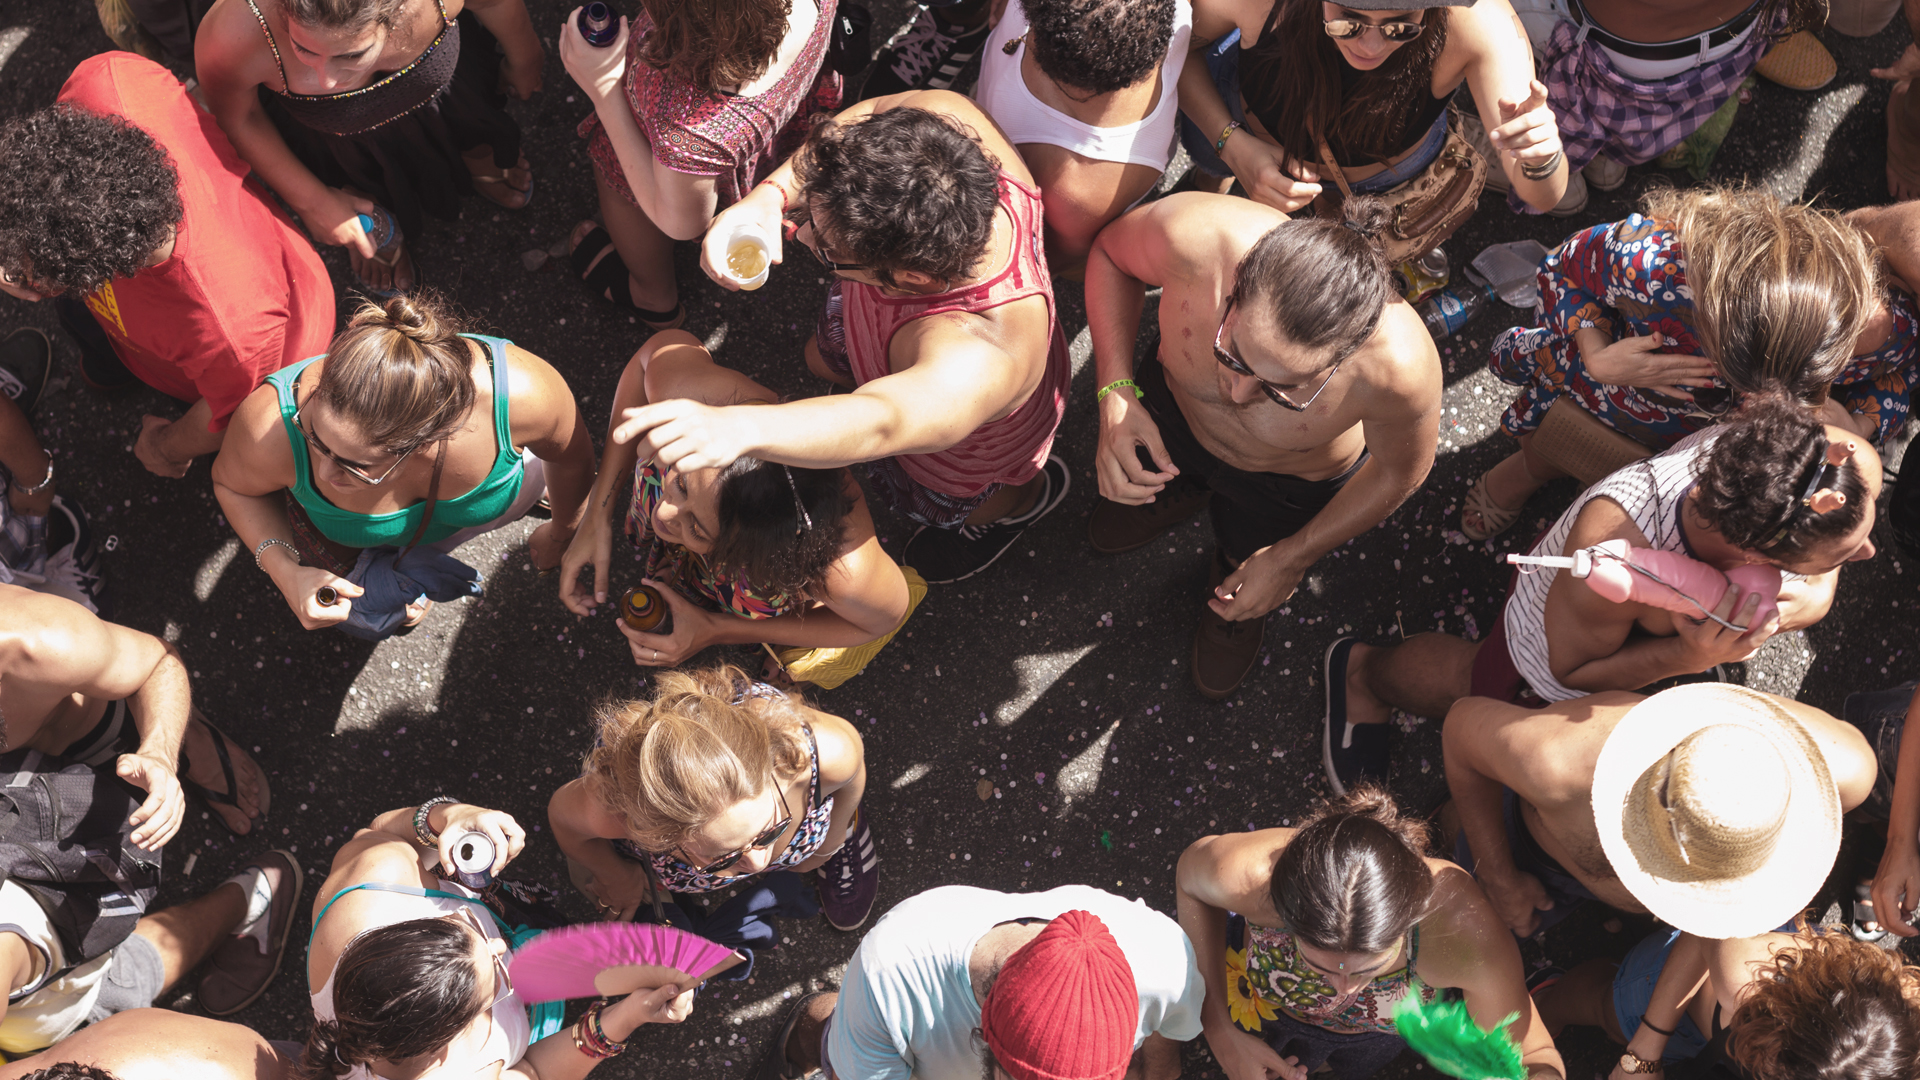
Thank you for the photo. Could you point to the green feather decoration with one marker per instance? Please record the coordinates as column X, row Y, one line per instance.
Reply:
column 1445, row 1034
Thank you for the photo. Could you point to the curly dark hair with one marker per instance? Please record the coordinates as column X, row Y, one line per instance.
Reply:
column 1830, row 1008
column 1099, row 46
column 1324, row 280
column 765, row 533
column 70, row 1070
column 84, row 198
column 1752, row 478
column 905, row 189
column 399, row 991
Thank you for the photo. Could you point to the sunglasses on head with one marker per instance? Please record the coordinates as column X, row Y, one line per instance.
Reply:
column 764, row 840
column 1396, row 30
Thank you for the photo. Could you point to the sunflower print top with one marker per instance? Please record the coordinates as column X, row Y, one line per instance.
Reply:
column 1630, row 278
column 1265, row 973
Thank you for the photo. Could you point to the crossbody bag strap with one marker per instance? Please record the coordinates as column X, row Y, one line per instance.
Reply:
column 1331, row 166
column 433, row 496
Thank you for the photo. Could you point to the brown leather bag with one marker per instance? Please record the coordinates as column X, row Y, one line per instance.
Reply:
column 1427, row 208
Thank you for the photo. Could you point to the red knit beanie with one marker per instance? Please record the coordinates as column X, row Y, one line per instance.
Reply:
column 1065, row 1006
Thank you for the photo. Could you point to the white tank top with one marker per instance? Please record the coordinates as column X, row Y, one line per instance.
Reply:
column 511, row 1031
column 1003, row 94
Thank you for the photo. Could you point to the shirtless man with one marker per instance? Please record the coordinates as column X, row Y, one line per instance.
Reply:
column 160, row 1044
column 1529, row 787
column 78, row 687
column 1292, row 387
column 1771, row 485
column 940, row 320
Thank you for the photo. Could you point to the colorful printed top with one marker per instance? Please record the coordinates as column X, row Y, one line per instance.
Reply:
column 1630, row 277
column 689, row 571
column 808, row 833
column 1267, row 973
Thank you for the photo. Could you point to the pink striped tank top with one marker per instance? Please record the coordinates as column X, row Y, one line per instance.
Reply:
column 1009, row 450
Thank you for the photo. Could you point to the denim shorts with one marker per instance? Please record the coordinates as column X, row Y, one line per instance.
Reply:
column 135, row 976
column 1633, row 989
column 1880, row 715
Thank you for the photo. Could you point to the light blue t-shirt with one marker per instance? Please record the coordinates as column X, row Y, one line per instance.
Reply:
column 907, row 1008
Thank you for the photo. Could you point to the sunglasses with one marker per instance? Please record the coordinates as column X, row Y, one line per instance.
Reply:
column 1397, row 30
column 502, row 980
column 1277, row 395
column 802, row 217
column 764, row 840
column 351, row 468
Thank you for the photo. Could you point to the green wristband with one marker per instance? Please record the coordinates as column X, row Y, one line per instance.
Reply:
column 1101, row 394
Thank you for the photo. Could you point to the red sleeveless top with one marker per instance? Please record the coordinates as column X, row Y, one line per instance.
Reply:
column 1009, row 450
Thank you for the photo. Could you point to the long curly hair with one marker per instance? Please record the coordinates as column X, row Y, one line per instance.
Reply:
column 1752, row 478
column 1293, row 80
column 1354, row 878
column 399, row 991
column 668, row 766
column 716, row 45
column 1830, row 1008
column 780, row 526
column 1780, row 291
column 84, row 198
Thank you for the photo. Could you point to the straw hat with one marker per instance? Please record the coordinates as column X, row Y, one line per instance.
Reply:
column 1716, row 808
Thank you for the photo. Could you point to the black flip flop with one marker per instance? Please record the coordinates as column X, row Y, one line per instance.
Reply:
column 227, row 797
column 607, row 279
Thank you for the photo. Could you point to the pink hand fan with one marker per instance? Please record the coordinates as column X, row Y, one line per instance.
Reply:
column 610, row 959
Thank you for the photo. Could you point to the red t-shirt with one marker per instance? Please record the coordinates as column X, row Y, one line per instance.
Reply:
column 244, row 294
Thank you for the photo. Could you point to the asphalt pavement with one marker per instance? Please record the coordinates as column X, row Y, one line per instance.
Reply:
column 1032, row 727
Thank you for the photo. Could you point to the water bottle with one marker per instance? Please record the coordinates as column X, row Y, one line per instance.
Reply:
column 384, row 230
column 598, row 25
column 1446, row 311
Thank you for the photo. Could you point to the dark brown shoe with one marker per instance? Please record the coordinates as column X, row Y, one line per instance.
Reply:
column 240, row 970
column 1116, row 527
column 1223, row 652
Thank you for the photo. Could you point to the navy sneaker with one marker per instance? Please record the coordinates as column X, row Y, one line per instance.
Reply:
column 931, row 54
column 26, row 358
column 851, row 878
column 73, row 556
column 1359, row 751
column 947, row 555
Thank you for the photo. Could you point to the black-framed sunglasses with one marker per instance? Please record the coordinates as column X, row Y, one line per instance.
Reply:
column 1275, row 394
column 764, row 840
column 1396, row 30
column 350, row 468
column 802, row 218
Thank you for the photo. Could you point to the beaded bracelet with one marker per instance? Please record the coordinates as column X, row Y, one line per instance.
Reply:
column 270, row 542
column 1101, row 394
column 590, row 1039
column 423, row 833
column 785, row 198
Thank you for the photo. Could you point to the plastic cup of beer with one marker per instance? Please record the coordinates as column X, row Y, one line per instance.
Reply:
column 749, row 256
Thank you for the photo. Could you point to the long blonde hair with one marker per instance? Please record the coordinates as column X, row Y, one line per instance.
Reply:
column 1780, row 290
column 668, row 766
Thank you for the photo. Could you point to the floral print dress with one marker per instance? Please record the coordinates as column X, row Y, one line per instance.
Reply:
column 1630, row 278
column 1265, row 973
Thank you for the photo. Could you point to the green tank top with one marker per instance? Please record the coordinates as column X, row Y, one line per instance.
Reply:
column 489, row 499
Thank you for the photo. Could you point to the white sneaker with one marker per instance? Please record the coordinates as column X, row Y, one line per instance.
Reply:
column 1604, row 173
column 73, row 558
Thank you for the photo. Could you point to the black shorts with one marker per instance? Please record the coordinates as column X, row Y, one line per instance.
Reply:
column 1250, row 510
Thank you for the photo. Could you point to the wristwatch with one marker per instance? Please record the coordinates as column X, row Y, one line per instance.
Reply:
column 1634, row 1065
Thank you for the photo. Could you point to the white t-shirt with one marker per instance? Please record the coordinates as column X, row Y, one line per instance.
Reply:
column 42, row 1013
column 907, row 1008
